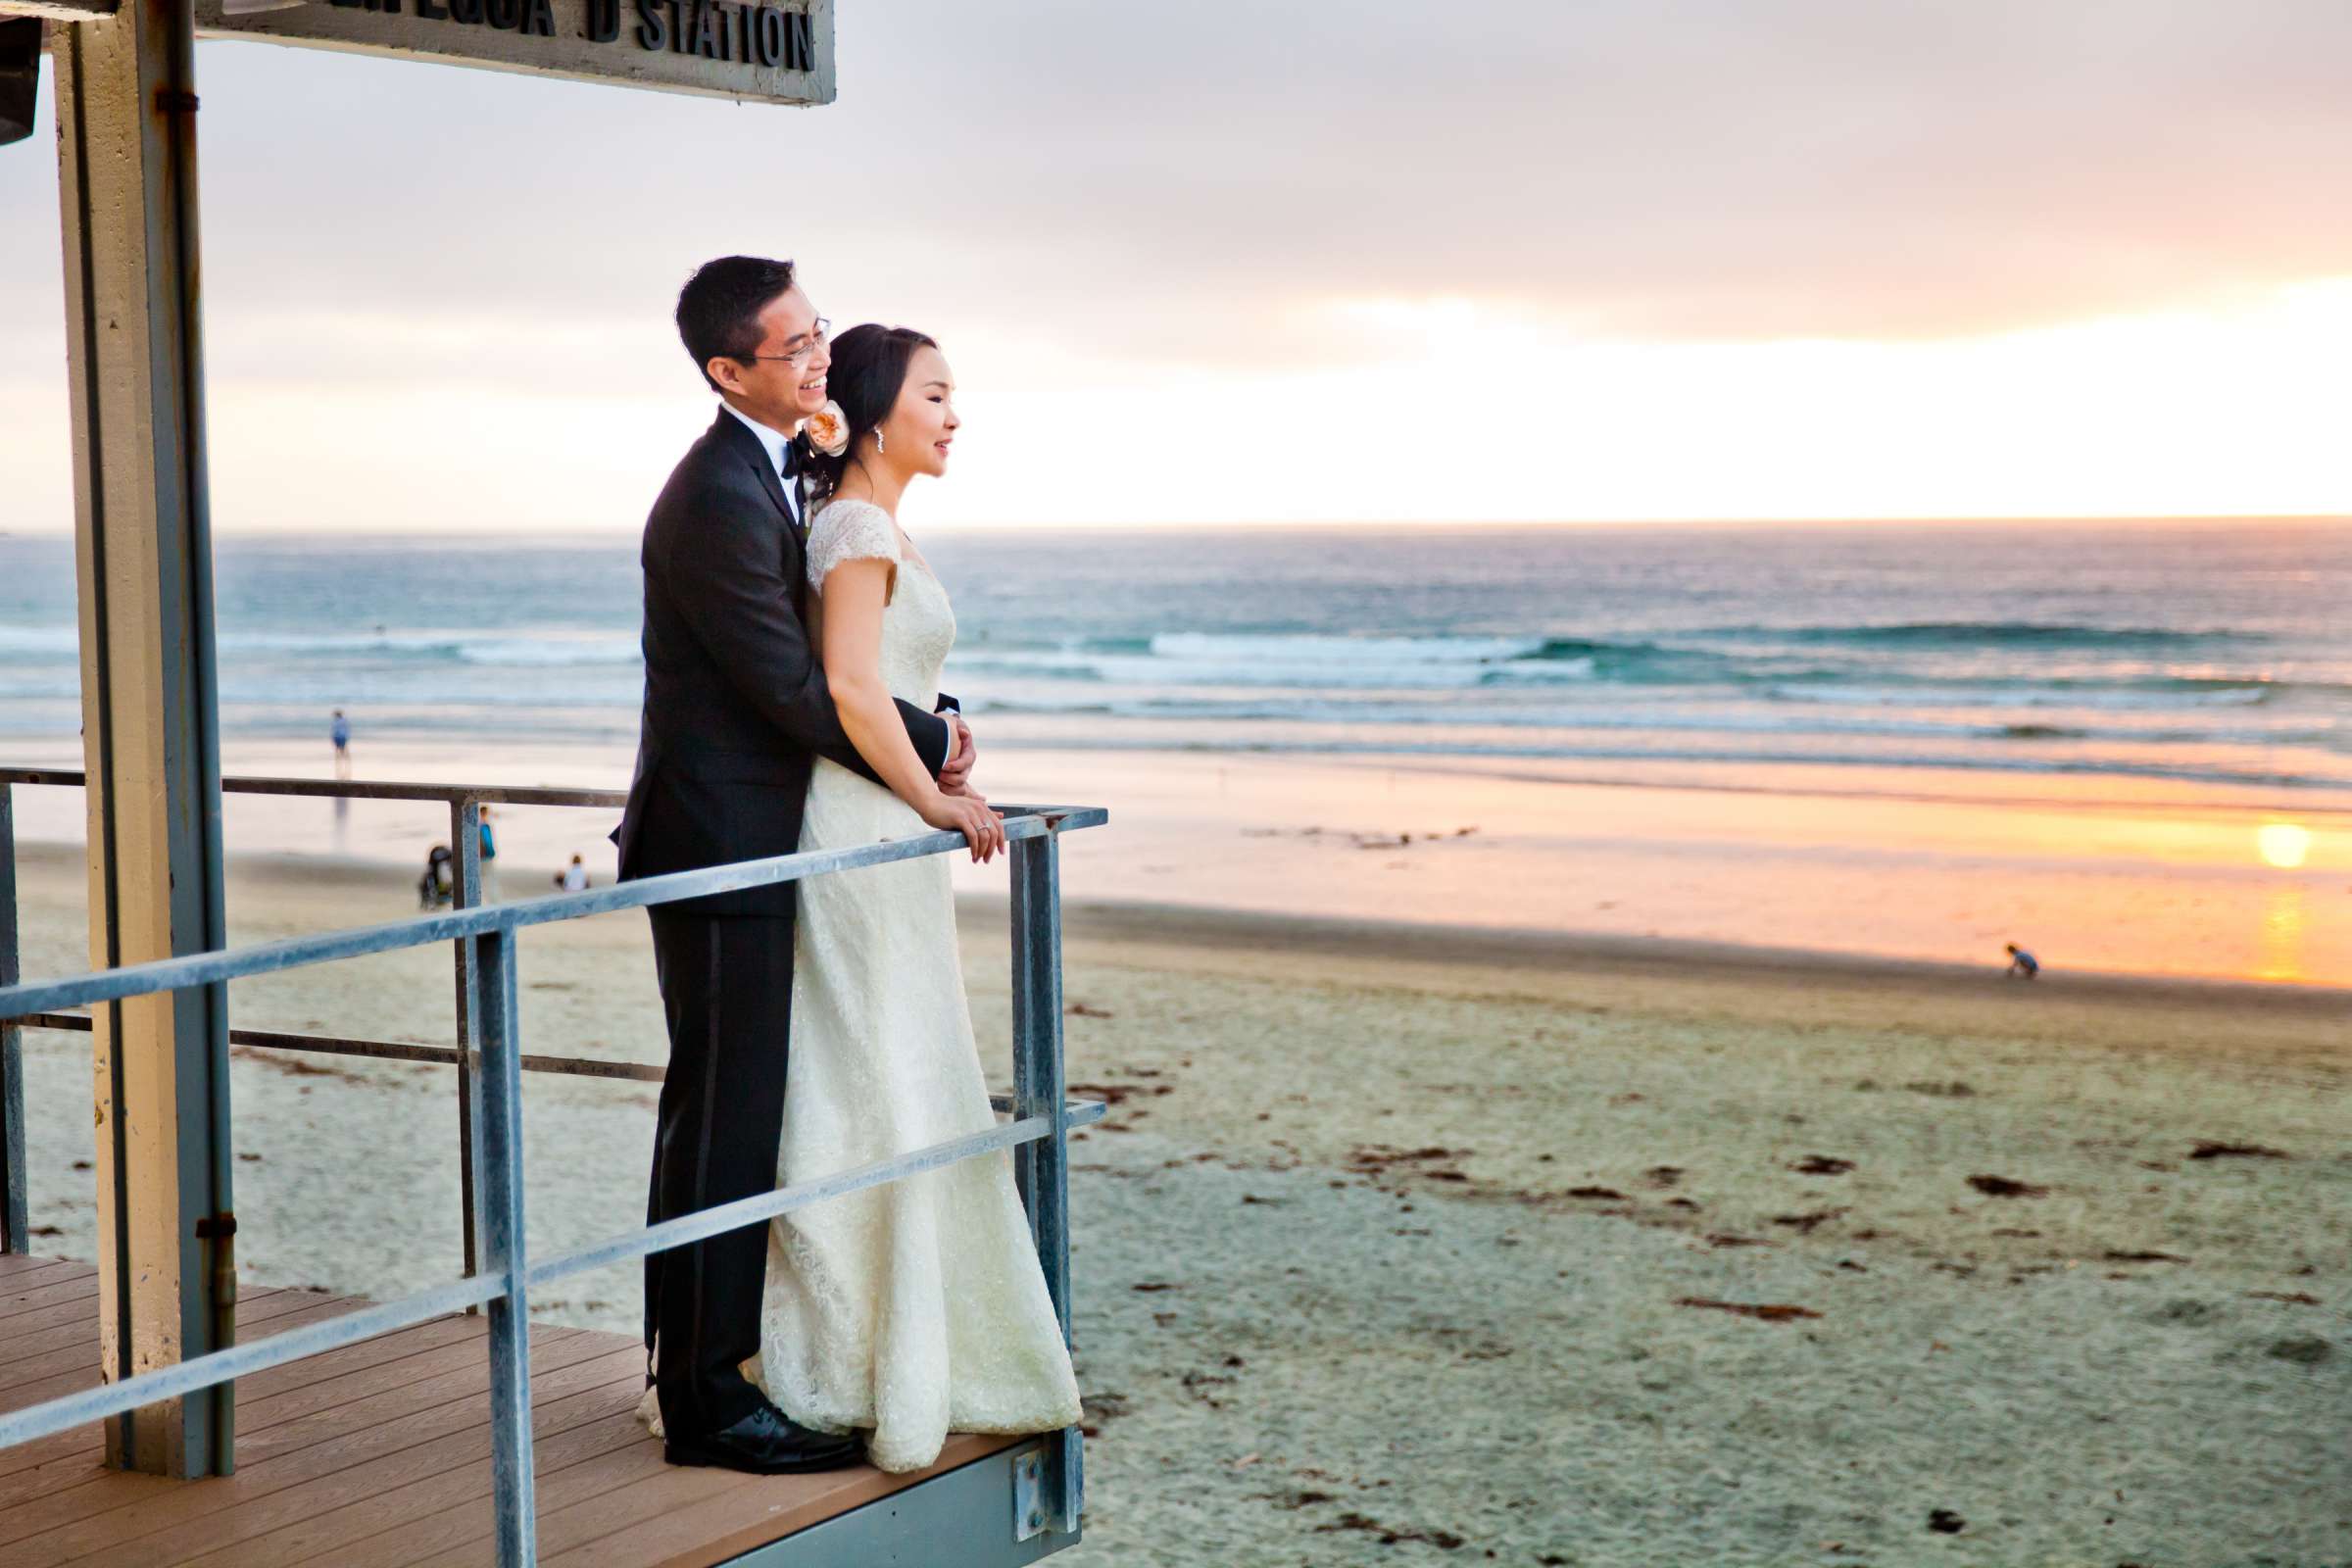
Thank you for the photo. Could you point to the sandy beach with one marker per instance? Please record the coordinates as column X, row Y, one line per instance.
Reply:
column 2136, row 876
column 1407, row 1242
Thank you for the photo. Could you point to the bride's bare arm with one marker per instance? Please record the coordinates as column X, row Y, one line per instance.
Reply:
column 850, row 635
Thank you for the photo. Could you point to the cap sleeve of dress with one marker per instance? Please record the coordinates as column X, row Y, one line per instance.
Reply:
column 850, row 530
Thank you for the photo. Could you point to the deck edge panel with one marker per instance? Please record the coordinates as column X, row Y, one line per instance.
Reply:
column 781, row 1505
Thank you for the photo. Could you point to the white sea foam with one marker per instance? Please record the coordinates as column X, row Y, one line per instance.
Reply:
column 2185, row 696
column 2098, row 650
column 1355, row 664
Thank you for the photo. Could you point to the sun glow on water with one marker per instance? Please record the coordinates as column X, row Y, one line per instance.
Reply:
column 2283, row 845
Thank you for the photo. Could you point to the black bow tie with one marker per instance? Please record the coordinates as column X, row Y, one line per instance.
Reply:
column 793, row 457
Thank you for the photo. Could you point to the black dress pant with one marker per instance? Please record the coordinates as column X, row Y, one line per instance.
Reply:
column 726, row 988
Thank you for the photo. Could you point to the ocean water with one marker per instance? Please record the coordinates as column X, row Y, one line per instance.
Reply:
column 2215, row 651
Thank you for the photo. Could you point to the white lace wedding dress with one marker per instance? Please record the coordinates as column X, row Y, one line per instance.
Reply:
column 915, row 1309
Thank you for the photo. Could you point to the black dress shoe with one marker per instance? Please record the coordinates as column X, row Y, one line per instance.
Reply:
column 766, row 1442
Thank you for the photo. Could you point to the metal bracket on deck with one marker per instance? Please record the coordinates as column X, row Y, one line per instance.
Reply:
column 1029, row 1495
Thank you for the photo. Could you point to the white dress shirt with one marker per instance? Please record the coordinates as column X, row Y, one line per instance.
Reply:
column 772, row 442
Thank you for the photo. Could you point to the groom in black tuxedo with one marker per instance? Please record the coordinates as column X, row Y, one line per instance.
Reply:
column 736, row 712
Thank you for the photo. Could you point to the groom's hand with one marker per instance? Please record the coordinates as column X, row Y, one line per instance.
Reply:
column 955, row 776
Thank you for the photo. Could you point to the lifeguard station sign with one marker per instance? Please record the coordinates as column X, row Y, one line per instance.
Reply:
column 770, row 51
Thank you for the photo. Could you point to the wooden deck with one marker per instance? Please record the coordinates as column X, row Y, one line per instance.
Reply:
column 377, row 1455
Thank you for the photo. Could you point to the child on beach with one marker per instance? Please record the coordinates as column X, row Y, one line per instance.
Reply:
column 2022, row 963
column 439, row 881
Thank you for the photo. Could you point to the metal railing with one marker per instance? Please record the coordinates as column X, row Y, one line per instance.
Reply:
column 464, row 803
column 491, row 1064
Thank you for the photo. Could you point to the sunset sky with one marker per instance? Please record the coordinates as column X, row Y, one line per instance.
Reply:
column 1494, row 260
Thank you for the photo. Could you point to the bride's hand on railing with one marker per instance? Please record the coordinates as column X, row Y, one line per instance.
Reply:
column 968, row 814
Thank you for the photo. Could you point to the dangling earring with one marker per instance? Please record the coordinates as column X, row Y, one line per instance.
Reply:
column 879, row 448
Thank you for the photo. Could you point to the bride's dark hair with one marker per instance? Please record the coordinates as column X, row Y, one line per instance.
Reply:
column 869, row 368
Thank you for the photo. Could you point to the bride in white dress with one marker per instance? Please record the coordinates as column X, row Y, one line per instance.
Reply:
column 918, row 1307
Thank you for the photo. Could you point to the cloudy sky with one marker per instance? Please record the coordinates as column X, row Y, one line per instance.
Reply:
column 1381, row 260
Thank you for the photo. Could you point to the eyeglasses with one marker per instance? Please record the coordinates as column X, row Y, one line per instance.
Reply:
column 816, row 340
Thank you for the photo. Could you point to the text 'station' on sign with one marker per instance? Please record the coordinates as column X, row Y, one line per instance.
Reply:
column 760, row 50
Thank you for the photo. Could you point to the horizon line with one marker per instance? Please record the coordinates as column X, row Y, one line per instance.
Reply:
column 1998, row 519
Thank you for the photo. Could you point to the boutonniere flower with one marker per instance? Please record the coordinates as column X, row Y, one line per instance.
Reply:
column 829, row 429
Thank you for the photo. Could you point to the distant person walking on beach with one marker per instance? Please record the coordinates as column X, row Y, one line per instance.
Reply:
column 573, row 878
column 339, row 732
column 489, row 857
column 2023, row 965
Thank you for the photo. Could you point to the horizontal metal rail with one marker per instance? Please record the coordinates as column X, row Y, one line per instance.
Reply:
column 292, row 953
column 363, row 789
column 715, row 1221
column 53, row 1416
column 325, row 788
column 383, row 1050
column 644, row 1072
column 489, row 1059
column 70, row 1410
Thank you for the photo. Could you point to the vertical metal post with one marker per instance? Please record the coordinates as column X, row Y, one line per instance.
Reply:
column 13, row 1237
column 1040, row 1169
column 502, row 1249
column 466, row 844
column 126, row 167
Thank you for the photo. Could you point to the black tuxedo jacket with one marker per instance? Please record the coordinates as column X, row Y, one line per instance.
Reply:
column 736, row 707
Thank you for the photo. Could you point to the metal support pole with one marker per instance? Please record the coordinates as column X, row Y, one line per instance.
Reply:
column 126, row 165
column 466, row 844
column 502, row 1247
column 13, row 1234
column 1041, row 1169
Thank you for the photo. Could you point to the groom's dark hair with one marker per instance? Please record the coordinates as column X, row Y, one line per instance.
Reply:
column 718, row 308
